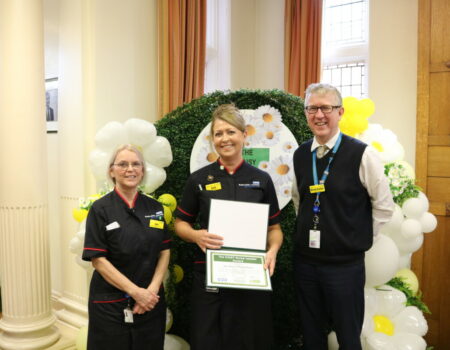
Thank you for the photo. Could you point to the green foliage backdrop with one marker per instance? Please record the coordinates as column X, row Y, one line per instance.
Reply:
column 181, row 127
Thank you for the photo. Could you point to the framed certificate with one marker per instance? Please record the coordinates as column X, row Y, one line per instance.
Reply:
column 240, row 262
column 237, row 269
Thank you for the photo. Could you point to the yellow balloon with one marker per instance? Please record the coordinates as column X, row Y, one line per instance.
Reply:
column 178, row 273
column 378, row 146
column 383, row 325
column 365, row 107
column 167, row 214
column 79, row 214
column 168, row 200
column 349, row 103
column 81, row 341
column 346, row 126
column 410, row 279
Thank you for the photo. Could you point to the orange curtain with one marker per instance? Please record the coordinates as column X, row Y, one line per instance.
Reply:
column 182, row 50
column 302, row 34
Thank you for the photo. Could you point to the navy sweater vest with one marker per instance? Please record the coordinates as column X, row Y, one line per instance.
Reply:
column 345, row 209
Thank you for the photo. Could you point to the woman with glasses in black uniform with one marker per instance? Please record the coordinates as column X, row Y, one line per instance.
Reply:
column 128, row 244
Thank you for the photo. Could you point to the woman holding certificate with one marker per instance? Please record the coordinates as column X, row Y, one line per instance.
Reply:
column 226, row 319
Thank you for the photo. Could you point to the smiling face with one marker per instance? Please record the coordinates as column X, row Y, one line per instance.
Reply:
column 228, row 140
column 324, row 125
column 127, row 178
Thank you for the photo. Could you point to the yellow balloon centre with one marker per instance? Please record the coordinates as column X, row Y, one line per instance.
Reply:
column 269, row 135
column 383, row 325
column 212, row 157
column 251, row 130
column 267, row 117
column 282, row 169
column 378, row 146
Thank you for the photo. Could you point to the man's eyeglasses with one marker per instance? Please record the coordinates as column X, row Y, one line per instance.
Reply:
column 325, row 109
column 125, row 165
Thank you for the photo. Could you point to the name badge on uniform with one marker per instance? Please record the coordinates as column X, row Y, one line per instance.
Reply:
column 216, row 186
column 112, row 226
column 128, row 315
column 156, row 224
column 314, row 239
column 317, row 188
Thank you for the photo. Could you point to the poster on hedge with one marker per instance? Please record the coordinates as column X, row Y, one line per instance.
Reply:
column 269, row 146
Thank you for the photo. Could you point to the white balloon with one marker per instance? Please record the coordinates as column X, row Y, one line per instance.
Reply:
column 84, row 264
column 428, row 222
column 110, row 136
column 370, row 301
column 140, row 132
column 98, row 161
column 390, row 301
column 394, row 152
column 395, row 223
column 154, row 177
column 408, row 341
column 80, row 234
column 411, row 228
column 379, row 341
column 411, row 320
column 368, row 325
column 425, row 203
column 407, row 245
column 413, row 208
column 159, row 152
column 404, row 261
column 381, row 261
column 75, row 245
column 332, row 341
column 174, row 342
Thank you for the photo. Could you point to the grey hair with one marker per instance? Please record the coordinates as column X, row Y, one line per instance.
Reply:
column 128, row 147
column 323, row 89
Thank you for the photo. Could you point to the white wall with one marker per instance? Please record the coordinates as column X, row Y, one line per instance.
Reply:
column 257, row 44
column 393, row 68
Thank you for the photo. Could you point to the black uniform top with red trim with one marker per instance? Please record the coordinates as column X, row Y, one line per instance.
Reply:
column 246, row 184
column 130, row 238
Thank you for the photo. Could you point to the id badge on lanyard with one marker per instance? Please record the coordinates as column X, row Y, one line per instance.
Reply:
column 318, row 188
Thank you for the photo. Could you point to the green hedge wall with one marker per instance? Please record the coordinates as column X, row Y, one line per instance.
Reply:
column 181, row 127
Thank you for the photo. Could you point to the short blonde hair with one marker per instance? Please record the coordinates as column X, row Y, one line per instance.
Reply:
column 230, row 114
column 128, row 147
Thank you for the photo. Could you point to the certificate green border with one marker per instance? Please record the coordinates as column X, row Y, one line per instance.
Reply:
column 265, row 286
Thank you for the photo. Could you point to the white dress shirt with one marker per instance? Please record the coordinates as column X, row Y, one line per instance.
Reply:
column 371, row 174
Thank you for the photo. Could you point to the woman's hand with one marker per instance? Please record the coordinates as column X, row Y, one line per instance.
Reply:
column 271, row 259
column 274, row 240
column 204, row 240
column 145, row 299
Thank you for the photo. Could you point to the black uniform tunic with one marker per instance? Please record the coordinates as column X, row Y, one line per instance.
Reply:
column 231, row 318
column 131, row 239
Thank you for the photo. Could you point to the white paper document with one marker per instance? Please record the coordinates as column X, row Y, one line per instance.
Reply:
column 242, row 225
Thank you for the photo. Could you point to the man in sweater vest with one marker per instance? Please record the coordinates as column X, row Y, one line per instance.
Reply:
column 342, row 198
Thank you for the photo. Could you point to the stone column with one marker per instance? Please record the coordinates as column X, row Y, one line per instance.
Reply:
column 28, row 322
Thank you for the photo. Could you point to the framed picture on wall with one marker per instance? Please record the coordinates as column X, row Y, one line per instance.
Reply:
column 51, row 104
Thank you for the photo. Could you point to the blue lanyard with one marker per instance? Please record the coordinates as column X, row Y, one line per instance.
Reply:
column 316, row 207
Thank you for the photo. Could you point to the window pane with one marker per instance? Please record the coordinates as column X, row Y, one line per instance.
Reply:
column 348, row 78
